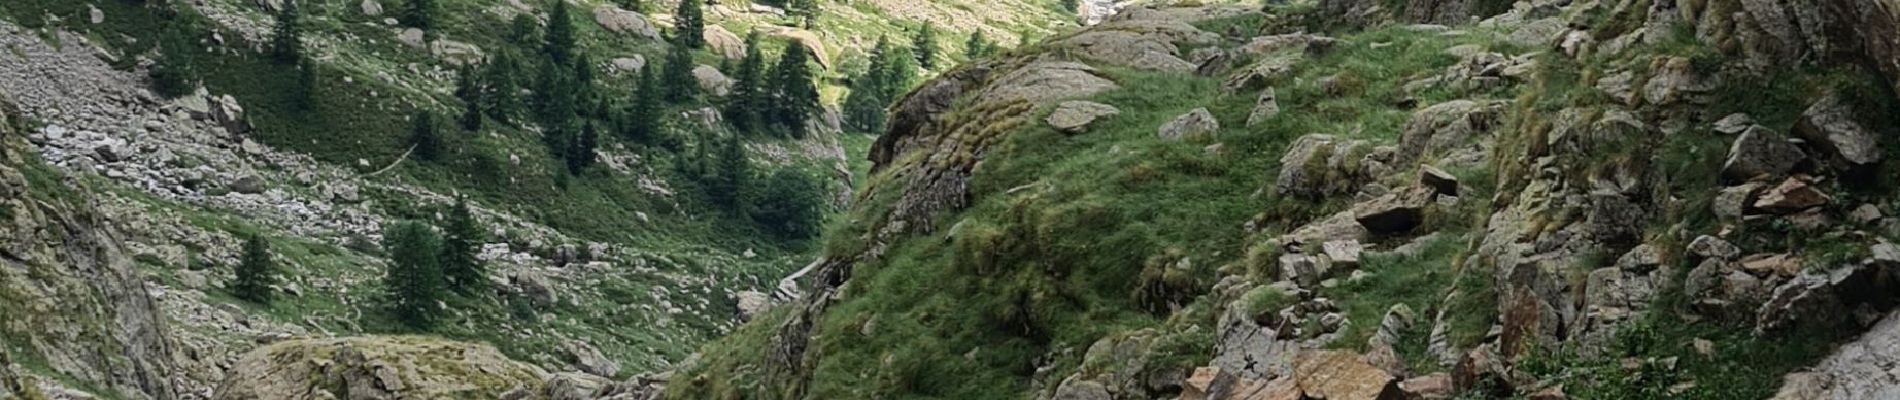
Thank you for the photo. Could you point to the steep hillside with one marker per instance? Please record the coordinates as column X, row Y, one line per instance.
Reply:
column 136, row 204
column 1359, row 199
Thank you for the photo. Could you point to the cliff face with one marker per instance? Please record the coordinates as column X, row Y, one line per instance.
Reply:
column 70, row 298
column 1371, row 199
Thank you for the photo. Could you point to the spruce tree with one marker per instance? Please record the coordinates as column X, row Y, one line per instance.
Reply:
column 580, row 150
column 501, row 84
column 743, row 108
column 582, row 84
column 795, row 96
column 690, row 25
column 977, row 47
column 176, row 73
column 287, row 37
column 925, row 44
column 414, row 282
column 678, row 71
column 255, row 272
column 423, row 137
column 460, row 243
column 731, row 176
column 556, row 94
column 523, row 30
column 643, row 119
column 419, row 14
column 306, row 90
column 470, row 92
column 559, row 41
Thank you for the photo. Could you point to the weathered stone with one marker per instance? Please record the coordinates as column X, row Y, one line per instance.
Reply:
column 1429, row 387
column 1441, row 182
column 1792, row 195
column 1076, row 116
column 1340, row 226
column 1446, row 126
column 1265, row 107
column 1343, row 252
column 1830, row 126
column 1861, row 369
column 248, row 184
column 1331, row 374
column 1734, row 202
column 1760, row 152
column 1770, row 265
column 1734, row 124
column 752, row 303
column 1397, row 212
column 1194, row 124
column 711, row 81
column 588, row 359
column 631, row 64
column 372, row 8
column 1706, row 246
column 625, row 22
column 376, row 367
column 1319, row 165
column 724, row 42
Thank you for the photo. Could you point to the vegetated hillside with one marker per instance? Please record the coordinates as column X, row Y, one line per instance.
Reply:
column 188, row 146
column 1358, row 199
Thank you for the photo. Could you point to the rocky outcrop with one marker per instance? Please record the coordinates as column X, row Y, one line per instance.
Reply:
column 1195, row 124
column 1861, row 369
column 625, row 22
column 69, row 293
column 377, row 367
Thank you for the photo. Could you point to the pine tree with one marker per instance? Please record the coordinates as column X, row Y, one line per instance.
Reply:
column 642, row 123
column 580, row 150
column 977, row 47
column 748, row 91
column 556, row 94
column 306, row 90
column 864, row 108
column 461, row 241
column 501, row 84
column 678, row 72
column 176, row 73
column 414, row 281
column 559, row 42
column 471, row 93
column 582, row 84
column 423, row 137
column 690, row 25
column 925, row 44
column 795, row 96
column 287, row 38
column 419, row 14
column 523, row 30
column 731, row 176
column 255, row 272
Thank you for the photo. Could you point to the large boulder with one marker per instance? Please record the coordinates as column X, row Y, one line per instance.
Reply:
column 1761, row 152
column 1862, row 369
column 1076, row 116
column 625, row 22
column 1195, row 124
column 1792, row 195
column 1332, row 374
column 1445, row 126
column 724, row 42
column 1396, row 212
column 587, row 358
column 1830, row 126
column 375, row 367
column 711, row 81
column 1322, row 165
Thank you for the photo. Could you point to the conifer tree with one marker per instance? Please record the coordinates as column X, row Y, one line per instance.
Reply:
column 977, row 47
column 748, row 89
column 556, row 94
column 642, row 123
column 804, row 10
column 414, row 282
column 501, row 84
column 255, row 272
column 731, row 176
column 678, row 71
column 176, row 73
column 559, row 41
column 582, row 84
column 925, row 44
column 523, row 30
column 690, row 25
column 306, row 90
column 460, row 243
column 287, row 37
column 419, row 14
column 580, row 150
column 638, row 6
column 864, row 108
column 423, row 137
column 471, row 93
column 795, row 96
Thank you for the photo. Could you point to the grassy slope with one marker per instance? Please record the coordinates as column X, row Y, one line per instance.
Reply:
column 1023, row 274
